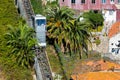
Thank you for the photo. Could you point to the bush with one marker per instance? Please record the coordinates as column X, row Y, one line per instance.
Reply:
column 97, row 41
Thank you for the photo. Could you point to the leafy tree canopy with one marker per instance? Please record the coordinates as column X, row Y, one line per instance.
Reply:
column 95, row 18
column 70, row 33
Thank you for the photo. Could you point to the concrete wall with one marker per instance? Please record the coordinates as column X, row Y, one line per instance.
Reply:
column 102, row 47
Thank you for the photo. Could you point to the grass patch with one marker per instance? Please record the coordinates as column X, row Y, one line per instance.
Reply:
column 54, row 62
column 10, row 16
column 69, row 63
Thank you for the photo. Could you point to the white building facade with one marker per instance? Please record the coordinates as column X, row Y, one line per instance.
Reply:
column 114, row 44
column 109, row 15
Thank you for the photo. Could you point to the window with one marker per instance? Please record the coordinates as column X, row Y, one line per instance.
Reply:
column 93, row 1
column 119, row 1
column 112, row 1
column 103, row 1
column 110, row 12
column 83, row 1
column 111, row 43
column 39, row 22
column 117, row 51
column 113, row 50
column 72, row 1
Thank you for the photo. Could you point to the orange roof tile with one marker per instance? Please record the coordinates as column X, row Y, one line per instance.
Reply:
column 104, row 65
column 97, row 76
column 115, row 28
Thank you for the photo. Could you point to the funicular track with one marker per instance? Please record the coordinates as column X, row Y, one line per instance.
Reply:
column 29, row 11
column 40, row 52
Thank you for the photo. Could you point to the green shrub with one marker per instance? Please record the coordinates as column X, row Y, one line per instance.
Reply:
column 10, row 16
column 97, row 41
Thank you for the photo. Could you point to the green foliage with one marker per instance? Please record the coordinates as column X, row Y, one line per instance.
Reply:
column 52, row 4
column 97, row 41
column 37, row 6
column 10, row 69
column 95, row 18
column 67, row 31
column 60, row 57
column 13, row 71
column 55, row 64
column 8, row 13
column 99, row 29
column 20, row 41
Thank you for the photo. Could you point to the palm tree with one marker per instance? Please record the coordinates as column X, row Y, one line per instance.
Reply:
column 71, row 33
column 57, row 26
column 57, row 21
column 67, row 33
column 20, row 41
column 78, row 36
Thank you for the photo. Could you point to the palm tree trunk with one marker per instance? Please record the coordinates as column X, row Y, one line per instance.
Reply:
column 59, row 54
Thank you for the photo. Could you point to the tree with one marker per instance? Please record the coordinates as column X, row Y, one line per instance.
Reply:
column 20, row 41
column 79, row 36
column 68, row 32
column 95, row 18
column 57, row 22
column 57, row 27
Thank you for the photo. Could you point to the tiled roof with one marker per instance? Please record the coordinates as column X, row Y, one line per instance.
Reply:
column 103, row 65
column 115, row 28
column 97, row 76
column 104, row 74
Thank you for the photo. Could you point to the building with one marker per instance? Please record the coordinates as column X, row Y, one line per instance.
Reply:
column 89, row 4
column 114, row 39
column 109, row 8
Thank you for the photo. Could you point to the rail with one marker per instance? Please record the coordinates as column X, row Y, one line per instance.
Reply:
column 29, row 11
column 41, row 59
column 44, row 63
